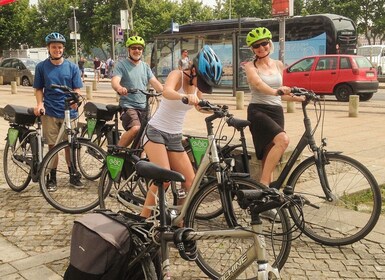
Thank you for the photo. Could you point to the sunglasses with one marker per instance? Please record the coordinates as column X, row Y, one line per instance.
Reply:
column 136, row 48
column 263, row 44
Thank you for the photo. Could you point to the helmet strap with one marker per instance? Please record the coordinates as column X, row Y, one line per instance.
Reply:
column 259, row 57
column 191, row 76
column 54, row 58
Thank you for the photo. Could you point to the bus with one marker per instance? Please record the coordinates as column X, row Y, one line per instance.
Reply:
column 376, row 55
column 305, row 35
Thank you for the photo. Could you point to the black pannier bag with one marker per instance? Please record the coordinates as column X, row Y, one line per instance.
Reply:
column 100, row 247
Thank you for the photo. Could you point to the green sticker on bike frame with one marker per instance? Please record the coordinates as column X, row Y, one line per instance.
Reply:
column 198, row 147
column 114, row 166
column 13, row 133
column 91, row 124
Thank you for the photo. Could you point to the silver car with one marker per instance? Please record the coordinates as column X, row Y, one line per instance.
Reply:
column 24, row 68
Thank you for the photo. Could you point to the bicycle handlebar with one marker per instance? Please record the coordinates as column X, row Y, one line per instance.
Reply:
column 74, row 95
column 150, row 93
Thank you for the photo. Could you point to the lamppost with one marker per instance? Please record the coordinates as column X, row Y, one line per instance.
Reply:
column 76, row 34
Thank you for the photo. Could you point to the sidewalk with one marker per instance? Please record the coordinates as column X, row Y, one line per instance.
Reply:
column 35, row 238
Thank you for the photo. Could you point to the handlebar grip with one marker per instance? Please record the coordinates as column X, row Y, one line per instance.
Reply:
column 65, row 88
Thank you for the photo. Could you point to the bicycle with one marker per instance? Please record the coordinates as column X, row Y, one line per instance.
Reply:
column 98, row 115
column 76, row 157
column 326, row 179
column 214, row 195
column 23, row 152
column 250, row 260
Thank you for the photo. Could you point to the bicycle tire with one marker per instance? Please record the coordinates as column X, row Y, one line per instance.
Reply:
column 135, row 189
column 99, row 139
column 17, row 171
column 145, row 269
column 67, row 198
column 214, row 256
column 329, row 224
column 90, row 174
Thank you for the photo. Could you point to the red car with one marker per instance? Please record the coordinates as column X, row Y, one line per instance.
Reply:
column 341, row 75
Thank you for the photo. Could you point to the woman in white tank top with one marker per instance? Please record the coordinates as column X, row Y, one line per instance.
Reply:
column 163, row 135
column 265, row 111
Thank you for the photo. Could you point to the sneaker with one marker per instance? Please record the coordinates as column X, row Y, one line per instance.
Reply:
column 75, row 182
column 51, row 184
column 271, row 215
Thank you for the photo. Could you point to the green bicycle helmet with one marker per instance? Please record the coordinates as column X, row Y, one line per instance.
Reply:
column 257, row 34
column 135, row 40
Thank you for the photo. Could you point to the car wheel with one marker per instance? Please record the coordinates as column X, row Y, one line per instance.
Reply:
column 25, row 82
column 366, row 96
column 342, row 92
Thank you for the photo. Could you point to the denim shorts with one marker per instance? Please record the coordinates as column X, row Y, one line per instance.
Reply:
column 173, row 142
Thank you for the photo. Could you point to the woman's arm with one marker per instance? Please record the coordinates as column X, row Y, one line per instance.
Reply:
column 256, row 82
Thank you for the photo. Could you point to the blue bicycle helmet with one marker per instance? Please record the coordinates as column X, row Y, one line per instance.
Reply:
column 55, row 37
column 209, row 69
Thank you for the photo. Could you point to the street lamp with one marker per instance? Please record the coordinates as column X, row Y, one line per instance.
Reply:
column 76, row 34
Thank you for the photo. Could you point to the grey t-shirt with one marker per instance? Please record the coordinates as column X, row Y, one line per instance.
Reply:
column 133, row 76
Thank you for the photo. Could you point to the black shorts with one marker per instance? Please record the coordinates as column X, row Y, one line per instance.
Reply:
column 266, row 122
column 132, row 117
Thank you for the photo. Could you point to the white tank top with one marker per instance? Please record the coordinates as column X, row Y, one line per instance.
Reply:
column 171, row 114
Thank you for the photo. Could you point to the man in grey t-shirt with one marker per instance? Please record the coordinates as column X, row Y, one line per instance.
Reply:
column 128, row 74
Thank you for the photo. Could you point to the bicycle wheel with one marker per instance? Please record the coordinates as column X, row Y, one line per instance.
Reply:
column 145, row 269
column 16, row 163
column 130, row 192
column 68, row 198
column 341, row 221
column 99, row 137
column 87, row 155
column 215, row 256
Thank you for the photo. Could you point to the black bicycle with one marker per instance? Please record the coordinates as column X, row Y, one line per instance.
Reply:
column 102, row 121
column 329, row 180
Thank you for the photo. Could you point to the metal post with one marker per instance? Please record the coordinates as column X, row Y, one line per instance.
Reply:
column 76, row 34
column 282, row 31
column 113, row 41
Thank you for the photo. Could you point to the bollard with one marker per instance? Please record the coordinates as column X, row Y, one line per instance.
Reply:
column 13, row 87
column 18, row 81
column 354, row 101
column 94, row 85
column 88, row 92
column 1, row 80
column 240, row 97
column 290, row 106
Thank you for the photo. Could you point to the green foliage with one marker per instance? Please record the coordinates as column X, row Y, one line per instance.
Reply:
column 23, row 24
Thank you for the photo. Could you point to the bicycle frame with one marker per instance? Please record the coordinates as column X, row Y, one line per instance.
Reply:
column 256, row 252
column 307, row 139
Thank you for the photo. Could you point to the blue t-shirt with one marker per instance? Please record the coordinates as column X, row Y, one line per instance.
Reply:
column 65, row 74
column 133, row 76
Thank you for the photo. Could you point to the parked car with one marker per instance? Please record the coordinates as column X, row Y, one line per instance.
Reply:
column 24, row 68
column 89, row 73
column 341, row 75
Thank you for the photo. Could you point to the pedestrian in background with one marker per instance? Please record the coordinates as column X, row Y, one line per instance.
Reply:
column 184, row 61
column 97, row 63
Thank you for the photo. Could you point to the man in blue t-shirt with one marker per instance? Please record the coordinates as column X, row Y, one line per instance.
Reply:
column 50, row 102
column 128, row 74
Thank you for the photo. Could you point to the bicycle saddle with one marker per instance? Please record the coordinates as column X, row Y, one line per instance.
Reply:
column 152, row 171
